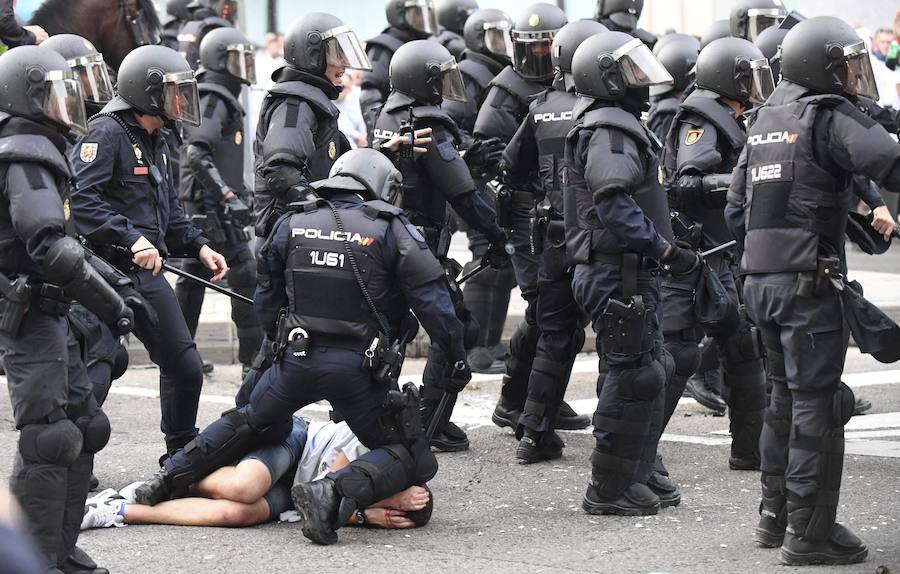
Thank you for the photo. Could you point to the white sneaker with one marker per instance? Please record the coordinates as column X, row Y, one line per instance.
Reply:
column 104, row 511
column 127, row 492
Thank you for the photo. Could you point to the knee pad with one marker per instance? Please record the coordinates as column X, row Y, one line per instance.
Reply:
column 686, row 357
column 843, row 404
column 119, row 362
column 93, row 424
column 643, row 383
column 58, row 443
column 376, row 475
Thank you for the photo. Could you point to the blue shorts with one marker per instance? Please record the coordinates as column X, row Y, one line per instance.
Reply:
column 281, row 460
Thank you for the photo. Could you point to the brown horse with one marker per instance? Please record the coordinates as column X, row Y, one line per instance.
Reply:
column 115, row 27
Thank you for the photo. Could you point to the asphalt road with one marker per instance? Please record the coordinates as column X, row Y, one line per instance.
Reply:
column 493, row 515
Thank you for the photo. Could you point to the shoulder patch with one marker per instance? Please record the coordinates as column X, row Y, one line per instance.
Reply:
column 693, row 136
column 415, row 233
column 88, row 152
column 447, row 150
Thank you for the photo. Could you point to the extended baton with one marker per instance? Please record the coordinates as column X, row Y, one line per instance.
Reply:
column 715, row 250
column 205, row 283
column 510, row 250
column 437, row 415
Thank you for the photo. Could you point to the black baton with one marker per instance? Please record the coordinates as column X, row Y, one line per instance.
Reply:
column 205, row 283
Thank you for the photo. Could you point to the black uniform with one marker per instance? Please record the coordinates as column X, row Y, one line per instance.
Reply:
column 61, row 424
column 662, row 112
column 477, row 71
column 192, row 32
column 169, row 35
column 706, row 139
column 452, row 41
column 119, row 200
column 431, row 181
column 297, row 141
column 791, row 190
column 12, row 33
column 305, row 270
column 506, row 106
column 536, row 155
column 617, row 226
column 376, row 84
column 219, row 142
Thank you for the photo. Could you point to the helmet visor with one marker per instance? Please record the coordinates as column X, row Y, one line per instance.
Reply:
column 91, row 71
column 763, row 81
column 758, row 19
column 860, row 76
column 421, row 16
column 63, row 103
column 240, row 62
column 344, row 50
column 452, row 86
column 181, row 101
column 497, row 39
column 639, row 66
column 532, row 54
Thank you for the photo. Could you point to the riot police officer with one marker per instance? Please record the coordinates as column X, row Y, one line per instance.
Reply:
column 701, row 150
column 451, row 17
column 340, row 339
column 127, row 208
column 204, row 17
column 718, row 29
column 535, row 154
column 297, row 138
column 506, row 106
column 212, row 182
column 42, row 268
column 89, row 68
column 748, row 18
column 790, row 189
column 178, row 17
column 678, row 53
column 423, row 73
column 617, row 228
column 407, row 20
column 623, row 16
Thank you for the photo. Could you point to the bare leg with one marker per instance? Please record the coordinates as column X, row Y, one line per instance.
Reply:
column 199, row 512
column 247, row 482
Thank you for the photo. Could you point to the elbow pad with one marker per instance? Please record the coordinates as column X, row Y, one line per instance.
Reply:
column 65, row 265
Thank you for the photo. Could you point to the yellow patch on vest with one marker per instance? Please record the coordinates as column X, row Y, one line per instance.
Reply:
column 332, row 150
column 238, row 138
column 693, row 136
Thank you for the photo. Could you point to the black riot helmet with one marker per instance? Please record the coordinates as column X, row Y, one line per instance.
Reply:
column 86, row 63
column 606, row 66
column 157, row 81
column 317, row 40
column 488, row 32
column 532, row 38
column 363, row 171
column 750, row 17
column 452, row 14
column 416, row 16
column 735, row 68
column 567, row 41
column 227, row 51
column 675, row 37
column 679, row 56
column 769, row 43
column 226, row 9
column 426, row 72
column 36, row 83
column 716, row 30
column 825, row 55
column 623, row 13
column 178, row 9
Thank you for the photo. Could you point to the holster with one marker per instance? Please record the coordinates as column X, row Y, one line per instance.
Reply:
column 401, row 421
column 504, row 204
column 538, row 230
column 816, row 283
column 210, row 226
column 626, row 324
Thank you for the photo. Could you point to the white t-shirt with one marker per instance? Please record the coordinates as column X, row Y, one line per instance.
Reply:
column 325, row 441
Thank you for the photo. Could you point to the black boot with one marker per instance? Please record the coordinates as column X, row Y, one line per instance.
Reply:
column 840, row 546
column 665, row 488
column 318, row 504
column 79, row 477
column 79, row 562
column 568, row 419
column 706, row 389
column 155, row 490
column 481, row 360
column 862, row 406
column 772, row 512
column 537, row 446
column 745, row 429
column 636, row 500
column 208, row 367
column 447, row 436
column 506, row 413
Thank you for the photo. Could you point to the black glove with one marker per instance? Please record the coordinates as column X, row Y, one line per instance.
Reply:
column 458, row 376
column 239, row 212
column 498, row 254
column 483, row 157
column 140, row 306
column 680, row 260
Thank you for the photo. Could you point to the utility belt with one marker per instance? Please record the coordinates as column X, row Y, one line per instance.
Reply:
column 22, row 295
column 547, row 228
column 220, row 230
column 508, row 200
column 817, row 283
column 629, row 324
column 627, row 261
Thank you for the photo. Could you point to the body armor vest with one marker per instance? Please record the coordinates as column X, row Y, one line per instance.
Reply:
column 421, row 199
column 477, row 71
column 31, row 148
column 796, row 210
column 730, row 141
column 551, row 119
column 512, row 91
column 581, row 220
column 323, row 294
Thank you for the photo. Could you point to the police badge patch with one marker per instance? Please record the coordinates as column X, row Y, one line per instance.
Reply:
column 332, row 150
column 67, row 210
column 238, row 138
column 88, row 152
column 693, row 136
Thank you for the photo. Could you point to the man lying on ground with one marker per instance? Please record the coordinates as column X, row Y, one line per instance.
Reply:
column 257, row 489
